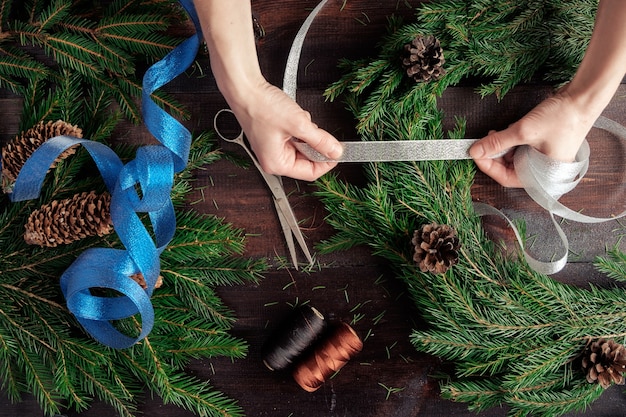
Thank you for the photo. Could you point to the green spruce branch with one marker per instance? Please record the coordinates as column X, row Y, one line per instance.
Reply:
column 44, row 351
column 515, row 337
column 102, row 44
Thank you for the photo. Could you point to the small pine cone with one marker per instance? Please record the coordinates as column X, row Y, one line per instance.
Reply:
column 423, row 59
column 65, row 221
column 604, row 362
column 436, row 248
column 16, row 152
column 139, row 279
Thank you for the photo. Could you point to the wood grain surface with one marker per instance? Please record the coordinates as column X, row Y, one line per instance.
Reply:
column 389, row 377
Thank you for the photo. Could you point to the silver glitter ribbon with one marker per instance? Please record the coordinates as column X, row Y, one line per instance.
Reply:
column 290, row 79
column 397, row 150
column 544, row 179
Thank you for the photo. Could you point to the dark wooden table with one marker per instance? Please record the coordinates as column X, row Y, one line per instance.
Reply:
column 389, row 377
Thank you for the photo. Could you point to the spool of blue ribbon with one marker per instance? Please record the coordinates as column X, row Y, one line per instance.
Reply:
column 152, row 171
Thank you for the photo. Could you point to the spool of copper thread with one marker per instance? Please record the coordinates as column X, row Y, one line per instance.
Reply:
column 293, row 337
column 329, row 356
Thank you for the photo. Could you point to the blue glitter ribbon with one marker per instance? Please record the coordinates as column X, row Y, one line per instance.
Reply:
column 152, row 171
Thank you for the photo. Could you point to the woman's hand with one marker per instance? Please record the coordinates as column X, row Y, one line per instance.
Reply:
column 555, row 127
column 558, row 125
column 271, row 120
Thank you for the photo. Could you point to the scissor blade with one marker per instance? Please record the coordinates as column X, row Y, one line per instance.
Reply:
column 288, row 233
column 400, row 150
column 291, row 229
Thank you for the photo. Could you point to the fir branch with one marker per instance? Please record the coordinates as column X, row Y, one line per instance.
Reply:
column 554, row 403
column 137, row 33
column 105, row 50
column 481, row 394
column 56, row 12
column 514, row 336
column 37, row 381
column 15, row 64
column 181, row 390
column 46, row 352
column 5, row 11
column 613, row 265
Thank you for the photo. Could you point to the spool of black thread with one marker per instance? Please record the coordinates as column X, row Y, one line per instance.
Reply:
column 292, row 337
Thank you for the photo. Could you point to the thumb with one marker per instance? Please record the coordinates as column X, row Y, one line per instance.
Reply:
column 324, row 143
column 495, row 144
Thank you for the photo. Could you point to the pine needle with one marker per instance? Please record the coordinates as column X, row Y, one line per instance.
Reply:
column 514, row 336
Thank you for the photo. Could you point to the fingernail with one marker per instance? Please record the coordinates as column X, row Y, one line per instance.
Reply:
column 477, row 151
column 335, row 152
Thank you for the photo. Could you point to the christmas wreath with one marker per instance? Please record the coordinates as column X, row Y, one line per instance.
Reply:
column 515, row 337
column 73, row 64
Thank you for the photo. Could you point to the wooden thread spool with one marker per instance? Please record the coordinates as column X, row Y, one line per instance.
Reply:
column 330, row 356
column 293, row 337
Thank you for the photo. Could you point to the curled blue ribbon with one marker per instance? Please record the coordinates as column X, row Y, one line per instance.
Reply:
column 152, row 172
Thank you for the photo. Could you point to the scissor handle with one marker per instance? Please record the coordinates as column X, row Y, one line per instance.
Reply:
column 286, row 216
column 237, row 139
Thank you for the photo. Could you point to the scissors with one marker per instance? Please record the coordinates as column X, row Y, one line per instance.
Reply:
column 287, row 219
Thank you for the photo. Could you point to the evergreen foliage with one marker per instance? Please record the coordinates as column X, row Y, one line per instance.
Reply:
column 101, row 42
column 514, row 336
column 497, row 43
column 43, row 350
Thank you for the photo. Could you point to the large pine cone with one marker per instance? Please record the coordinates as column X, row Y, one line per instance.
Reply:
column 17, row 151
column 604, row 362
column 423, row 59
column 436, row 248
column 65, row 221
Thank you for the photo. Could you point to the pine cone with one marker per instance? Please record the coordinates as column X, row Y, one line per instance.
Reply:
column 65, row 221
column 16, row 152
column 423, row 59
column 436, row 248
column 604, row 361
column 139, row 279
